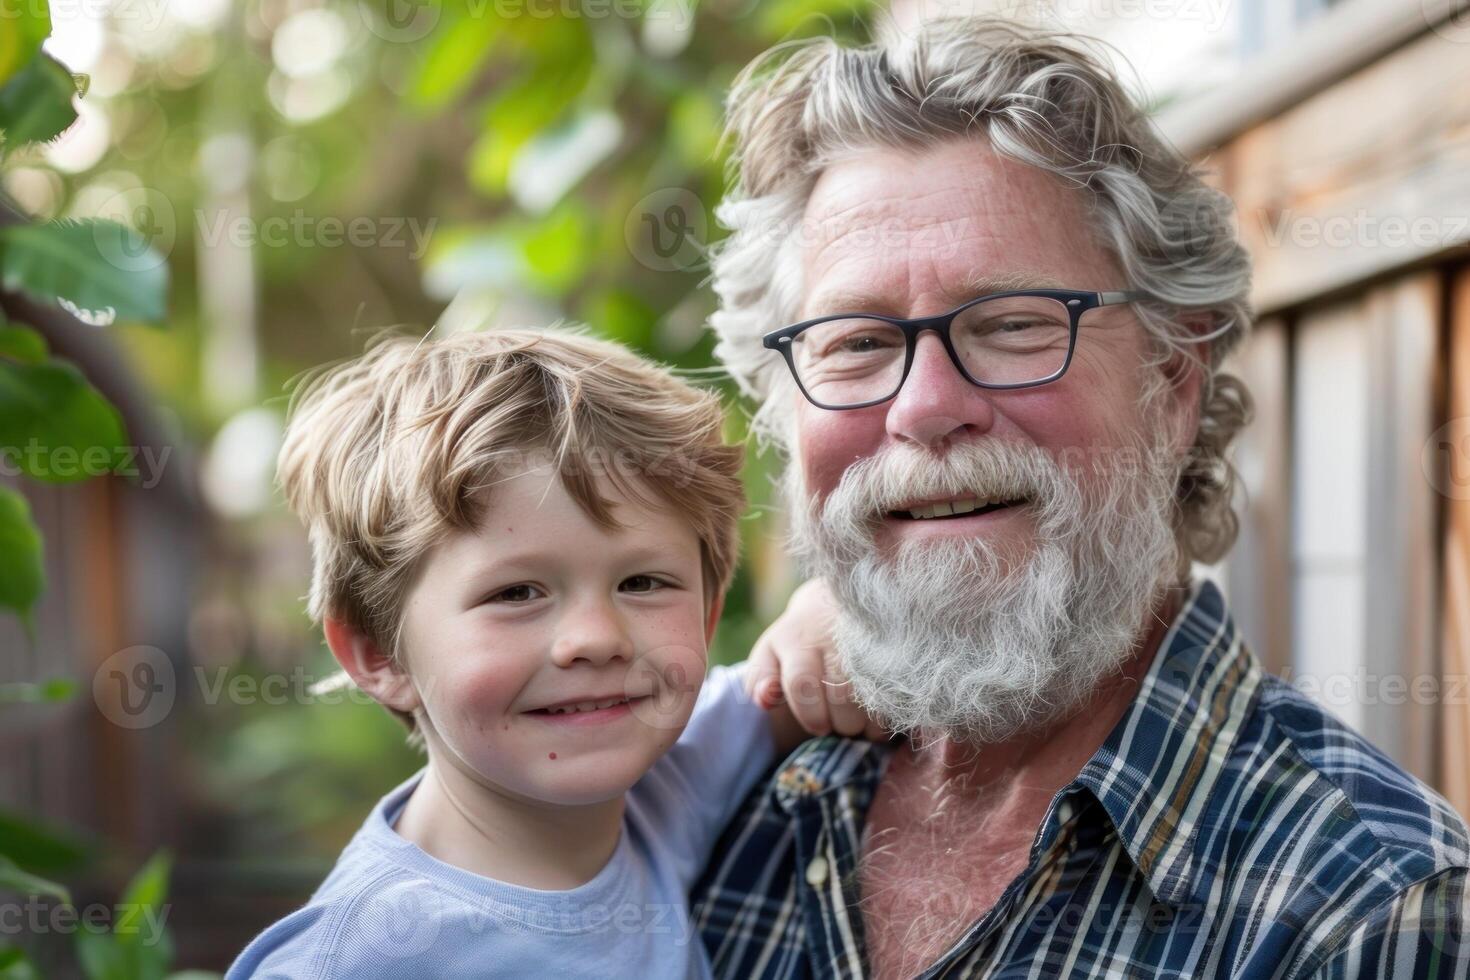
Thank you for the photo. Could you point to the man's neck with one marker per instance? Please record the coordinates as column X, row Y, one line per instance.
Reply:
column 461, row 821
column 952, row 824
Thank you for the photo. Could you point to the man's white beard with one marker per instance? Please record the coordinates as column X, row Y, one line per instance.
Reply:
column 949, row 637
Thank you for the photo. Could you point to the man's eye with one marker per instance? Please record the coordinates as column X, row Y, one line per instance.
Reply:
column 515, row 593
column 642, row 583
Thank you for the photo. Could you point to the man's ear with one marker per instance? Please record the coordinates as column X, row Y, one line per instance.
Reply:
column 370, row 668
column 1186, row 378
column 716, row 606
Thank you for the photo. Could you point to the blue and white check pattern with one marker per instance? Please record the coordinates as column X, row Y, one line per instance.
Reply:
column 1228, row 827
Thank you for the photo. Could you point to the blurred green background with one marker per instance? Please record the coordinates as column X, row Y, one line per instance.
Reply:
column 200, row 199
column 282, row 179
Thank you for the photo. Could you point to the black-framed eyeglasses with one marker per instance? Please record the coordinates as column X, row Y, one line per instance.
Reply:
column 1017, row 339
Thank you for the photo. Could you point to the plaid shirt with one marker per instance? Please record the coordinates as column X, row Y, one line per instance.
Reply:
column 1228, row 827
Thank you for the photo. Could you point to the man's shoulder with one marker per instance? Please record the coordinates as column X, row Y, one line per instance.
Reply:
column 1416, row 831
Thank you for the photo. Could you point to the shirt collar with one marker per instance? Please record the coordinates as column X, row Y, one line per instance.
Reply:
column 1158, row 769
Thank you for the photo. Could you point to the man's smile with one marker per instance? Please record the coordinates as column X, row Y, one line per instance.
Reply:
column 941, row 509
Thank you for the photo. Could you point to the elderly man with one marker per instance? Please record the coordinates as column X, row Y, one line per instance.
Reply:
column 984, row 309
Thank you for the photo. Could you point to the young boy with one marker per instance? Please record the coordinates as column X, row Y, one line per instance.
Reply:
column 521, row 543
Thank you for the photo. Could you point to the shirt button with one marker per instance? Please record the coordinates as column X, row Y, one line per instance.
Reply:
column 799, row 780
column 816, row 872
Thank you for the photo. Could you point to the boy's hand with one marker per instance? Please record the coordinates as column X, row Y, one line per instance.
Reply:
column 794, row 666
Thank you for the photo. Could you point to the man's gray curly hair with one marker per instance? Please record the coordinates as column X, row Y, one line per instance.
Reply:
column 1039, row 97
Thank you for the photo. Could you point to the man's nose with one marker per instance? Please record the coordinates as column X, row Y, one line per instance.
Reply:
column 594, row 633
column 937, row 404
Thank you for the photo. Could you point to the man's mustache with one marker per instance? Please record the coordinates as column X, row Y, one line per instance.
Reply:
column 899, row 479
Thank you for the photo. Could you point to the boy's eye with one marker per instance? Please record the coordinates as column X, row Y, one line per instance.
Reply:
column 642, row 583
column 515, row 593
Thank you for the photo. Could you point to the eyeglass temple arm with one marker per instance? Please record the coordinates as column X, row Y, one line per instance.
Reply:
column 1119, row 296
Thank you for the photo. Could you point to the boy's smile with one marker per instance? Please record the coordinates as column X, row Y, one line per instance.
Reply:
column 554, row 659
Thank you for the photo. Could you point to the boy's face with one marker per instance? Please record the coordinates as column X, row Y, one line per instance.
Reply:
column 542, row 609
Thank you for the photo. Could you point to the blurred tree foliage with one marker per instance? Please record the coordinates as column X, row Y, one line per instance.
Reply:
column 514, row 161
column 101, row 271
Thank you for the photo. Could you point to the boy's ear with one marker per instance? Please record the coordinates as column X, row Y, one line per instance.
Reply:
column 716, row 606
column 369, row 667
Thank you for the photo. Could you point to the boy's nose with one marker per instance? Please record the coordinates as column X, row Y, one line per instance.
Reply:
column 592, row 633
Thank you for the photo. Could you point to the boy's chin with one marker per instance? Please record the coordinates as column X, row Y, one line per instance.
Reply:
column 567, row 781
column 571, row 789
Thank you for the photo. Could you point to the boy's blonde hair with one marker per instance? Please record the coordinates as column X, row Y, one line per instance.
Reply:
column 386, row 454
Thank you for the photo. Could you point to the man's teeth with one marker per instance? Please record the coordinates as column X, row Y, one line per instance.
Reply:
column 568, row 709
column 948, row 508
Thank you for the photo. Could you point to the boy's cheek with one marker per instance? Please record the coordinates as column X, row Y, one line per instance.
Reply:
column 476, row 696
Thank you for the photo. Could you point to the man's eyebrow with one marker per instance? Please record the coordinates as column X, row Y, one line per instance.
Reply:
column 980, row 284
column 846, row 303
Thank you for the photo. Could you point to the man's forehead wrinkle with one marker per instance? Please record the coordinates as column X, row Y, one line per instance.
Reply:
column 850, row 253
column 893, row 218
column 881, row 242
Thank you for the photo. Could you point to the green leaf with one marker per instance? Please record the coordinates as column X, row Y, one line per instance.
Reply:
column 622, row 315
column 22, row 344
column 138, row 913
column 26, row 26
column 787, row 19
column 131, row 951
column 522, row 109
column 55, row 426
column 14, row 878
column 16, row 965
column 454, row 58
column 22, row 576
column 694, row 128
column 36, row 105
column 476, row 257
column 558, row 158
column 100, row 956
column 557, row 250
column 45, row 692
column 95, row 265
column 149, row 886
column 39, row 849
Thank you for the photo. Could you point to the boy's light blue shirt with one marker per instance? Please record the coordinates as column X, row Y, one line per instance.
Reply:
column 390, row 910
